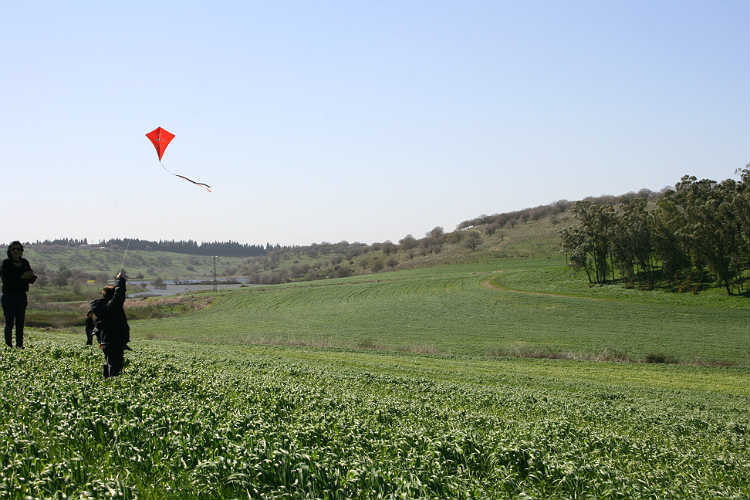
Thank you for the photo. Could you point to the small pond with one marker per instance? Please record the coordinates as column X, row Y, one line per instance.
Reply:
column 173, row 287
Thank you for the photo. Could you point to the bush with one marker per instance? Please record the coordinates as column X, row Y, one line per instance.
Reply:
column 343, row 271
column 660, row 358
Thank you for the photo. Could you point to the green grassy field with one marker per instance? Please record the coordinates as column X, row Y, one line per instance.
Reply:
column 474, row 310
column 196, row 421
column 434, row 382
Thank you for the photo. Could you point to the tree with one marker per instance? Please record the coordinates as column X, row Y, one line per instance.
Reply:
column 408, row 242
column 705, row 220
column 431, row 245
column 632, row 247
column 494, row 227
column 590, row 245
column 699, row 230
column 377, row 265
column 62, row 276
column 473, row 240
column 455, row 237
column 575, row 245
column 343, row 271
column 436, row 233
column 389, row 248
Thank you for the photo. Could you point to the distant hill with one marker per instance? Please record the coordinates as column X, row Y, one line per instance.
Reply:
column 519, row 236
column 532, row 232
column 525, row 233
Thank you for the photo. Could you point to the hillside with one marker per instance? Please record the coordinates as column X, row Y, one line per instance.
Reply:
column 691, row 238
column 522, row 238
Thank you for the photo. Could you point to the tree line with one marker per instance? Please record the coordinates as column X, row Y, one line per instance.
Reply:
column 337, row 260
column 218, row 248
column 692, row 235
column 497, row 221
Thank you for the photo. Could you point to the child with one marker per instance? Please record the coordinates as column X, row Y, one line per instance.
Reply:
column 112, row 325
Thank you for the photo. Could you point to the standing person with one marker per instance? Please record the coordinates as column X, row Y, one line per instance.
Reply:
column 112, row 325
column 16, row 275
column 89, row 327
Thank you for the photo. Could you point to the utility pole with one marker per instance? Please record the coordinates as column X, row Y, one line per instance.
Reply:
column 214, row 273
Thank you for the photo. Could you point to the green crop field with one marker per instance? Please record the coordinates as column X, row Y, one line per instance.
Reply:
column 436, row 382
column 191, row 421
column 474, row 310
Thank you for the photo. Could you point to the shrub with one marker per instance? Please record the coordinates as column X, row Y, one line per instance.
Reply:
column 660, row 358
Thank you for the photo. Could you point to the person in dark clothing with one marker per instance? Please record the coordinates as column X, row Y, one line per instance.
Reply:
column 112, row 325
column 16, row 275
column 90, row 328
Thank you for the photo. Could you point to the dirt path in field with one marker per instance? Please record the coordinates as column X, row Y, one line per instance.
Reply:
column 488, row 285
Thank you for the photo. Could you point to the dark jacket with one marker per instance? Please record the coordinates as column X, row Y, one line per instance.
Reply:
column 12, row 281
column 89, row 325
column 111, row 322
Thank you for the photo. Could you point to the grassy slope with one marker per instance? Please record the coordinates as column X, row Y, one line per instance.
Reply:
column 167, row 265
column 192, row 421
column 345, row 417
column 533, row 238
column 455, row 311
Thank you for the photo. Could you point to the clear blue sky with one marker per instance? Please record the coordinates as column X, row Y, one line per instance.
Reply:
column 363, row 121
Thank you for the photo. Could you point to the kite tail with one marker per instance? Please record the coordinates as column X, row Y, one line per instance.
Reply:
column 201, row 184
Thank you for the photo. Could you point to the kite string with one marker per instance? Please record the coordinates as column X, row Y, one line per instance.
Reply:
column 165, row 168
column 125, row 254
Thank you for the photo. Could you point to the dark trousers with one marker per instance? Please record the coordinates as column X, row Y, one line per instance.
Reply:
column 14, row 307
column 115, row 360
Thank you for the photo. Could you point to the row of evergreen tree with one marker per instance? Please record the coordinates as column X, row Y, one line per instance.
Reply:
column 218, row 248
column 65, row 242
column 694, row 234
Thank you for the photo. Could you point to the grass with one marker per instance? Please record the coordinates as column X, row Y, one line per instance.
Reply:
column 199, row 421
column 539, row 275
column 71, row 314
column 455, row 311
column 504, row 378
column 167, row 265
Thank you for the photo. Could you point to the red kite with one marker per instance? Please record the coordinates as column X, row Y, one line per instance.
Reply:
column 161, row 139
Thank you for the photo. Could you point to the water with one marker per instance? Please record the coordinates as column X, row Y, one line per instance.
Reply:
column 181, row 286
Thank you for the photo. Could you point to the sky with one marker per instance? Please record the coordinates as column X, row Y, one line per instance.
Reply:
column 360, row 121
